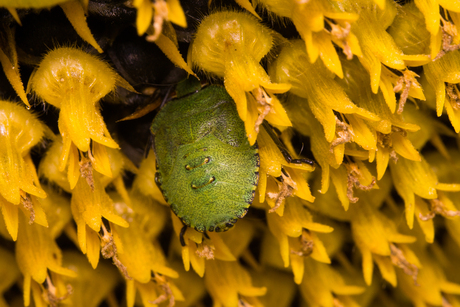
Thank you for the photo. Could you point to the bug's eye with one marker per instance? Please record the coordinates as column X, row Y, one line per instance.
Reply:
column 211, row 180
column 205, row 161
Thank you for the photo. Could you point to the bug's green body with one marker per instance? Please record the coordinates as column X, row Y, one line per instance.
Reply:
column 206, row 169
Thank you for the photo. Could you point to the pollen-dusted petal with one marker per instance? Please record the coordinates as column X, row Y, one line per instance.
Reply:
column 442, row 71
column 374, row 241
column 92, row 285
column 355, row 87
column 75, row 81
column 427, row 226
column 309, row 20
column 317, row 86
column 231, row 45
column 430, row 281
column 382, row 160
column 227, row 281
column 413, row 178
column 154, row 292
column 198, row 263
column 250, row 111
column 409, row 29
column 322, row 282
column 235, row 35
column 50, row 164
column 145, row 179
column 94, row 204
column 430, row 10
column 339, row 178
column 277, row 115
column 101, row 162
column 154, row 215
column 319, row 252
column 301, row 187
column 361, row 134
column 404, row 147
column 327, row 53
column 236, row 241
column 15, row 143
column 272, row 162
column 296, row 218
column 430, row 129
column 374, row 229
column 292, row 223
column 92, row 245
column 222, row 251
column 386, row 268
column 191, row 238
column 141, row 256
column 276, row 282
column 305, row 122
column 297, row 260
column 328, row 204
column 377, row 45
column 189, row 283
column 270, row 156
column 37, row 252
column 450, row 5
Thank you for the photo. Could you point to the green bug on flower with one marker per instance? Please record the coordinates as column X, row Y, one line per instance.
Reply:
column 206, row 169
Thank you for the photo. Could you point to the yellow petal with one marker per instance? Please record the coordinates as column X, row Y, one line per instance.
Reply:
column 361, row 134
column 11, row 69
column 427, row 226
column 76, row 15
column 92, row 285
column 172, row 53
column 321, row 283
column 37, row 252
column 441, row 71
column 225, row 280
column 277, row 115
column 386, row 268
column 176, row 13
column 328, row 53
column 404, row 147
column 10, row 216
column 17, row 171
column 411, row 177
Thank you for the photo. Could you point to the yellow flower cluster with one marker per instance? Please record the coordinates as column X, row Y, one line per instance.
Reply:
column 371, row 86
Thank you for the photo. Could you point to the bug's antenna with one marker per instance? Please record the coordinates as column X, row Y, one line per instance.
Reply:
column 181, row 235
column 150, row 144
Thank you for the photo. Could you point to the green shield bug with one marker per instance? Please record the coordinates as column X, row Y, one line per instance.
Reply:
column 206, row 169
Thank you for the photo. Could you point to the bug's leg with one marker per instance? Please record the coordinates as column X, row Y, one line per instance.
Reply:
column 181, row 235
column 283, row 149
column 188, row 86
column 205, row 234
column 166, row 97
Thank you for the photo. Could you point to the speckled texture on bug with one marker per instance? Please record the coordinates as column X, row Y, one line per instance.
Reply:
column 207, row 170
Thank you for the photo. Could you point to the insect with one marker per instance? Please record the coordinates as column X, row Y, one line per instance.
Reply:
column 206, row 169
